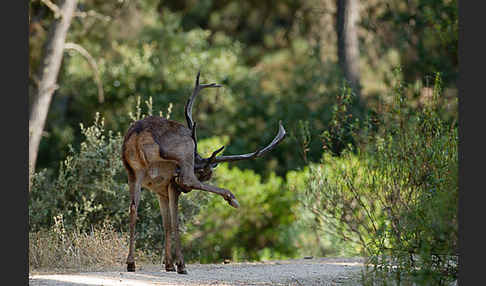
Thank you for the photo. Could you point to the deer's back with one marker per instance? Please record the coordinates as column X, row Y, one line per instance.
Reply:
column 153, row 145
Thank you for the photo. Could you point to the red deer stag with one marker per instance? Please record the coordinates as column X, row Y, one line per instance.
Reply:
column 161, row 156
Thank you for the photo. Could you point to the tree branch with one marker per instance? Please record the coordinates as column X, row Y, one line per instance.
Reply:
column 92, row 13
column 53, row 7
column 92, row 64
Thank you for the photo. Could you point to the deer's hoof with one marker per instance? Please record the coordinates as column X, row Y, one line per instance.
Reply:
column 234, row 203
column 170, row 268
column 181, row 268
column 131, row 266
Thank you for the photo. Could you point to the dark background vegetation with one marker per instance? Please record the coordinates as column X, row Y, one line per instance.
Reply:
column 384, row 152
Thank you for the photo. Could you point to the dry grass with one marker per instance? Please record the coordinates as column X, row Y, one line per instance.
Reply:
column 58, row 249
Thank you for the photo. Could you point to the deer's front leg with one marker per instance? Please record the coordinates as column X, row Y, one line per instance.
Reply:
column 168, row 229
column 173, row 207
column 135, row 189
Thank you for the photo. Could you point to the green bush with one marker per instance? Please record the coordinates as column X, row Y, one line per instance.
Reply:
column 396, row 195
column 259, row 229
column 88, row 188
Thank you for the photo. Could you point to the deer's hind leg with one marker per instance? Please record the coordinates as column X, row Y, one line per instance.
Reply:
column 174, row 215
column 168, row 230
column 135, row 185
column 186, row 178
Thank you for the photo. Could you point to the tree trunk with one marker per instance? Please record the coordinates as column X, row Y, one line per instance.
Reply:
column 48, row 71
column 347, row 39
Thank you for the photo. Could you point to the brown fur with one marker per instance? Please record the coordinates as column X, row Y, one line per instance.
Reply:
column 157, row 127
column 158, row 155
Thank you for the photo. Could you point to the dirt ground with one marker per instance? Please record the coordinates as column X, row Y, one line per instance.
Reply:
column 316, row 271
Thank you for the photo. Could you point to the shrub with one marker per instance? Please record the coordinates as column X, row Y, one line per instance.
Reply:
column 396, row 195
column 88, row 188
column 259, row 229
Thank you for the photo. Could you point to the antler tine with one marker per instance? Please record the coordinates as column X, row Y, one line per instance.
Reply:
column 190, row 101
column 280, row 136
column 211, row 158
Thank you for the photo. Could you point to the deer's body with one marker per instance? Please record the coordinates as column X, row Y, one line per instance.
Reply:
column 156, row 152
column 161, row 156
column 145, row 150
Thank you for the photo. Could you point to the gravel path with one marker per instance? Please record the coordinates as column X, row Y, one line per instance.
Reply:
column 317, row 271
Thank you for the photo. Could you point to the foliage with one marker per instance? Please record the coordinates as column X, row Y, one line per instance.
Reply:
column 259, row 229
column 434, row 21
column 396, row 196
column 312, row 236
column 415, row 28
column 276, row 61
column 87, row 180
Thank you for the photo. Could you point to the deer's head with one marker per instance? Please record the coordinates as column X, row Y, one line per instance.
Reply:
column 203, row 167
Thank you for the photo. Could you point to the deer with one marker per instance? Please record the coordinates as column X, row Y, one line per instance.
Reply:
column 161, row 155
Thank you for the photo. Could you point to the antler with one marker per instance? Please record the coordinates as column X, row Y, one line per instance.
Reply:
column 280, row 136
column 213, row 159
column 194, row 137
column 188, row 108
column 190, row 101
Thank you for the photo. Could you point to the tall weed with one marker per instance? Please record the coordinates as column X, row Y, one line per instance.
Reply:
column 61, row 248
